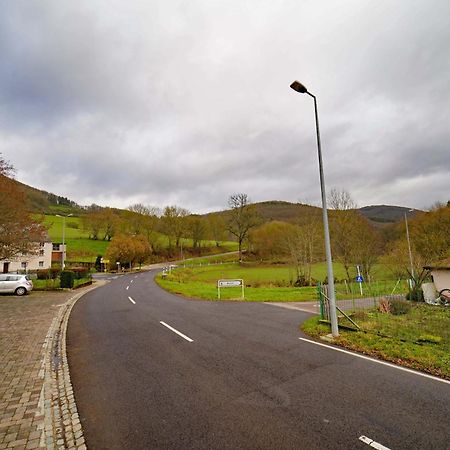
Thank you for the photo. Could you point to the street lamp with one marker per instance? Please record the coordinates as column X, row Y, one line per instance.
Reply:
column 409, row 247
column 297, row 86
column 63, row 263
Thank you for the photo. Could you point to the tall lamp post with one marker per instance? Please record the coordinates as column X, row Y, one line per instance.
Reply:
column 63, row 261
column 297, row 86
column 409, row 247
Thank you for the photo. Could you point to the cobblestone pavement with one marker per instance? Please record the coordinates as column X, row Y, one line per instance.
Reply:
column 34, row 405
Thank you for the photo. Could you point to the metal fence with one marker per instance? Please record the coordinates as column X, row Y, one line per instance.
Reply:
column 390, row 316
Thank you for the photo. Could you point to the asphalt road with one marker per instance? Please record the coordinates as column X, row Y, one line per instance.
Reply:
column 244, row 381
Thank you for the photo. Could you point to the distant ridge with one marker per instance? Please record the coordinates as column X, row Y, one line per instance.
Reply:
column 387, row 213
column 44, row 202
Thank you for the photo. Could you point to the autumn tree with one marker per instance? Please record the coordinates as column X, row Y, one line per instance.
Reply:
column 19, row 232
column 269, row 241
column 242, row 217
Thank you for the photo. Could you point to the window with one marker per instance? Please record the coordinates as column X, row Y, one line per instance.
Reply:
column 41, row 252
column 56, row 247
column 41, row 263
column 24, row 265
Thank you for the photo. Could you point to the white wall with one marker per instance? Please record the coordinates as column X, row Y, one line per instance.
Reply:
column 32, row 260
column 441, row 279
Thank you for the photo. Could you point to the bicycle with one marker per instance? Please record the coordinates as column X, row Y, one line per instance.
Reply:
column 444, row 297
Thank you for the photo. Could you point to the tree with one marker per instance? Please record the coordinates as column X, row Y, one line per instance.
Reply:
column 19, row 232
column 173, row 224
column 197, row 229
column 353, row 239
column 242, row 218
column 217, row 228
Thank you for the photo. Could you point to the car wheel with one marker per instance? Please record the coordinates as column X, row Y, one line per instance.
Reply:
column 21, row 291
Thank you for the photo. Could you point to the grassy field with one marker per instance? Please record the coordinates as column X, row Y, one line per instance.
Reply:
column 264, row 282
column 419, row 339
column 82, row 249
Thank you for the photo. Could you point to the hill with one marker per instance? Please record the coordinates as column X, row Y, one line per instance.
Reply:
column 44, row 202
column 386, row 213
column 290, row 212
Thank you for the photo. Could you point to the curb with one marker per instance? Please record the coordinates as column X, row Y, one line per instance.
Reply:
column 62, row 426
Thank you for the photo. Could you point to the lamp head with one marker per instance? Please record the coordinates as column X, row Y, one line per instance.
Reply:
column 297, row 86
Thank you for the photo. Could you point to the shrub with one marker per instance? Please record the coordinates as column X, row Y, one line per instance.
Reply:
column 399, row 307
column 48, row 274
column 80, row 272
column 67, row 279
column 415, row 295
column 384, row 306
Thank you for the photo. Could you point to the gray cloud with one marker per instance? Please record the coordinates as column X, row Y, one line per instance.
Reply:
column 185, row 103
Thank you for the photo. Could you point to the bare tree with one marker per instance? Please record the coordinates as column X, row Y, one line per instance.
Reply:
column 242, row 218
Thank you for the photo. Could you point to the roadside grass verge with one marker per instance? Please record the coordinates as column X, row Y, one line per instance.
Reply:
column 262, row 282
column 419, row 339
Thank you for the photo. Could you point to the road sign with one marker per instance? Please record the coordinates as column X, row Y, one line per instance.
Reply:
column 359, row 279
column 229, row 283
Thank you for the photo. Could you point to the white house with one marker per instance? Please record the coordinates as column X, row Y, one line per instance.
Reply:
column 41, row 259
column 440, row 274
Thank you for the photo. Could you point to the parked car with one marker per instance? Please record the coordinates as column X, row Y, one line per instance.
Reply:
column 17, row 284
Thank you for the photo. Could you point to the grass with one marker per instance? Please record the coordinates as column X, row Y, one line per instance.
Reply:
column 262, row 282
column 419, row 339
column 82, row 249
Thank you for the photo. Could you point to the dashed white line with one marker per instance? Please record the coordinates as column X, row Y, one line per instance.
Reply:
column 372, row 443
column 384, row 363
column 176, row 331
column 127, row 288
column 131, row 281
column 131, row 300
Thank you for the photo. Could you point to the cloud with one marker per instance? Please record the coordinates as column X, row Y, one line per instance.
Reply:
column 186, row 103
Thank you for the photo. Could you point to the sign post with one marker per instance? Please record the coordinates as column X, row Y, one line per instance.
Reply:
column 359, row 279
column 230, row 283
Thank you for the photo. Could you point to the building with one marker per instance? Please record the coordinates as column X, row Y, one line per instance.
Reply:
column 41, row 259
column 440, row 274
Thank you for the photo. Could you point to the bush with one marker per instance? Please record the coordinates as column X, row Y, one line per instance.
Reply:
column 80, row 272
column 416, row 295
column 399, row 307
column 48, row 274
column 67, row 279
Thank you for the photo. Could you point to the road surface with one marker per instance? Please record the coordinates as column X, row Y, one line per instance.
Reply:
column 152, row 370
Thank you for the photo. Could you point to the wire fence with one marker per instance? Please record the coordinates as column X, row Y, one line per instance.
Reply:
column 391, row 316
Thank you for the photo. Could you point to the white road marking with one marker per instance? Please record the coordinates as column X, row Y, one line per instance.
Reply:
column 131, row 300
column 176, row 331
column 296, row 308
column 425, row 375
column 131, row 281
column 127, row 287
column 372, row 443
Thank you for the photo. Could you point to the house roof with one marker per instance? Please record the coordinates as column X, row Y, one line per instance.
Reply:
column 441, row 265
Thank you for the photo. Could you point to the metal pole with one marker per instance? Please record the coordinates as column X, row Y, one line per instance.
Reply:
column 331, row 291
column 409, row 248
column 63, row 243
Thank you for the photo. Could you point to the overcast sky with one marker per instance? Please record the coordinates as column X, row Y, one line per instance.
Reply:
column 187, row 102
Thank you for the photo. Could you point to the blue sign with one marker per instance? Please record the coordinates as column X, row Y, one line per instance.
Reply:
column 359, row 279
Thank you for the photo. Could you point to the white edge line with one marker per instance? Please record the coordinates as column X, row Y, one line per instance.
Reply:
column 176, row 331
column 131, row 300
column 425, row 375
column 372, row 443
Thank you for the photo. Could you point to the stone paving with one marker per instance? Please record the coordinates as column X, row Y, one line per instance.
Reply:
column 37, row 407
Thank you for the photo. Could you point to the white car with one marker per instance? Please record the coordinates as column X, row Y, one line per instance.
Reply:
column 17, row 284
